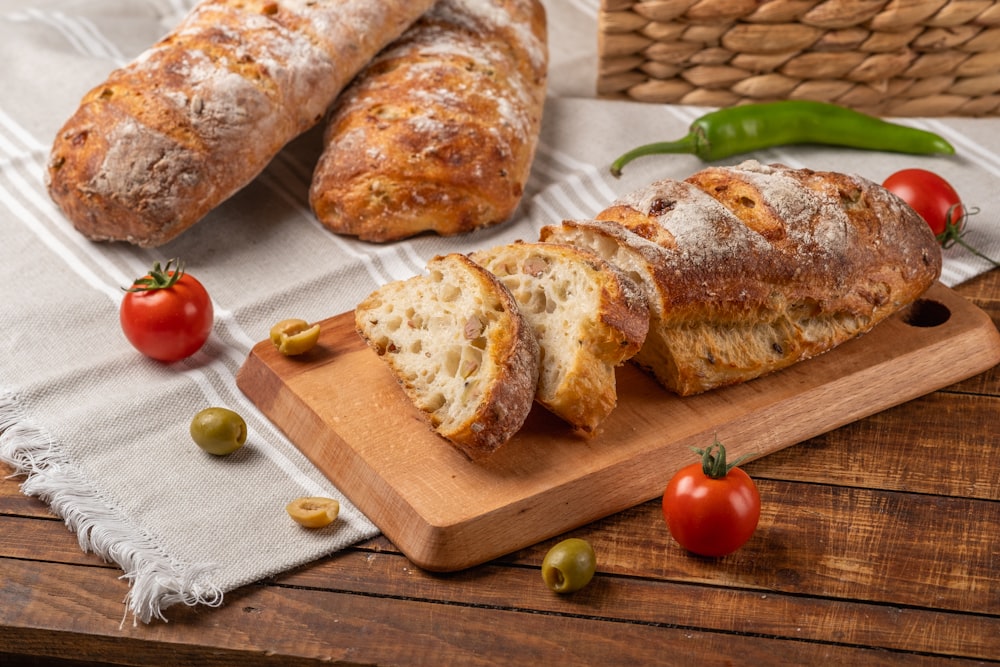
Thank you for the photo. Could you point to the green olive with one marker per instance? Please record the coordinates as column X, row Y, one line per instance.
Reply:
column 569, row 565
column 313, row 512
column 218, row 431
column 293, row 337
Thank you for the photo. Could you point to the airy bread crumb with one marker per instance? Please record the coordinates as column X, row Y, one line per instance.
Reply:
column 460, row 349
column 588, row 318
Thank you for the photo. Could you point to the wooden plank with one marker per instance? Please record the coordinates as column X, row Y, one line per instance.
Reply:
column 645, row 569
column 344, row 411
column 661, row 598
column 831, row 542
column 45, row 539
column 860, row 545
column 941, row 444
column 12, row 501
column 261, row 624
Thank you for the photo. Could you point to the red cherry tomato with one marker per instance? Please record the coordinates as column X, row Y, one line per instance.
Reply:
column 711, row 508
column 937, row 203
column 167, row 315
column 929, row 195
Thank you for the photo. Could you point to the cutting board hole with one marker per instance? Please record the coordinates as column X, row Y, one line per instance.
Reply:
column 927, row 313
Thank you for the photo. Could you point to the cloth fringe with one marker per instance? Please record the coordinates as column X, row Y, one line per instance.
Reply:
column 155, row 580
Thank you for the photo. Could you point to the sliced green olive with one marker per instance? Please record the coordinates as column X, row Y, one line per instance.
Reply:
column 569, row 565
column 313, row 512
column 293, row 336
column 218, row 431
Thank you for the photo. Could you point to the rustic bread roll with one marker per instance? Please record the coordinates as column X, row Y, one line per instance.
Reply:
column 587, row 315
column 439, row 132
column 195, row 118
column 460, row 349
column 762, row 266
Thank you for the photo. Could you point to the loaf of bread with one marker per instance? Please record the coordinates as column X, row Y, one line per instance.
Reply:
column 457, row 344
column 749, row 269
column 587, row 315
column 439, row 132
column 195, row 118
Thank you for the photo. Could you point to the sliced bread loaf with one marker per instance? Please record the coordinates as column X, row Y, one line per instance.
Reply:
column 587, row 315
column 460, row 349
column 752, row 268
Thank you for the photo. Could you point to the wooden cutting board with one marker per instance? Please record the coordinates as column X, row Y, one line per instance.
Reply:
column 342, row 408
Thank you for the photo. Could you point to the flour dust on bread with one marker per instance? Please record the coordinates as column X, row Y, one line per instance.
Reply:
column 752, row 268
column 188, row 123
column 457, row 344
column 587, row 315
column 439, row 132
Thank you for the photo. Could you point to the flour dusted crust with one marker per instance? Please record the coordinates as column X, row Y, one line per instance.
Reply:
column 439, row 132
column 587, row 315
column 192, row 120
column 752, row 268
column 457, row 344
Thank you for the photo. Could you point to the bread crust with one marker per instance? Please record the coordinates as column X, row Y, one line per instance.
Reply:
column 439, row 132
column 762, row 266
column 498, row 388
column 199, row 115
column 588, row 316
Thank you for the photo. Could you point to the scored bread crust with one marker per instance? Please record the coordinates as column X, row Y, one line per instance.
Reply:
column 439, row 131
column 459, row 347
column 171, row 135
column 761, row 266
column 587, row 315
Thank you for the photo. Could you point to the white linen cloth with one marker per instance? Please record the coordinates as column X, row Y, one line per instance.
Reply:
column 101, row 433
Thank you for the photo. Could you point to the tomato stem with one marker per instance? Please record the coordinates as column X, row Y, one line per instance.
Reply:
column 158, row 278
column 955, row 230
column 714, row 465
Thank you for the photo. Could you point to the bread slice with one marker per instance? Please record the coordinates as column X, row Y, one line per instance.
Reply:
column 756, row 267
column 459, row 348
column 636, row 257
column 587, row 315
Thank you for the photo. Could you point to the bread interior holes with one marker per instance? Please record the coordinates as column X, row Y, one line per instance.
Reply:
column 554, row 302
column 630, row 263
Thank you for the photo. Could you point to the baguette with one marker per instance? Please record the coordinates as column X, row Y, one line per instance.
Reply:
column 459, row 348
column 439, row 132
column 758, row 267
column 587, row 315
column 199, row 115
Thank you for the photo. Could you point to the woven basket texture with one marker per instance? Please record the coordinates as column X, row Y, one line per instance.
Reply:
column 888, row 58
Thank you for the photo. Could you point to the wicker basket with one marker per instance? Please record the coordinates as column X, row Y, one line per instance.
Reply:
column 884, row 57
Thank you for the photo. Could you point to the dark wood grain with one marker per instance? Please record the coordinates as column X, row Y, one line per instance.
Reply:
column 877, row 546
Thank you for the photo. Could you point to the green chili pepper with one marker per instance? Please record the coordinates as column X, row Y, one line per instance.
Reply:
column 750, row 127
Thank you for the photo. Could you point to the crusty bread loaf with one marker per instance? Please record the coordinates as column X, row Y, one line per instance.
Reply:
column 460, row 349
column 439, row 132
column 587, row 315
column 195, row 118
column 752, row 268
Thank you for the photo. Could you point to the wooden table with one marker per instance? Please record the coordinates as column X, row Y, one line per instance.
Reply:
column 879, row 543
